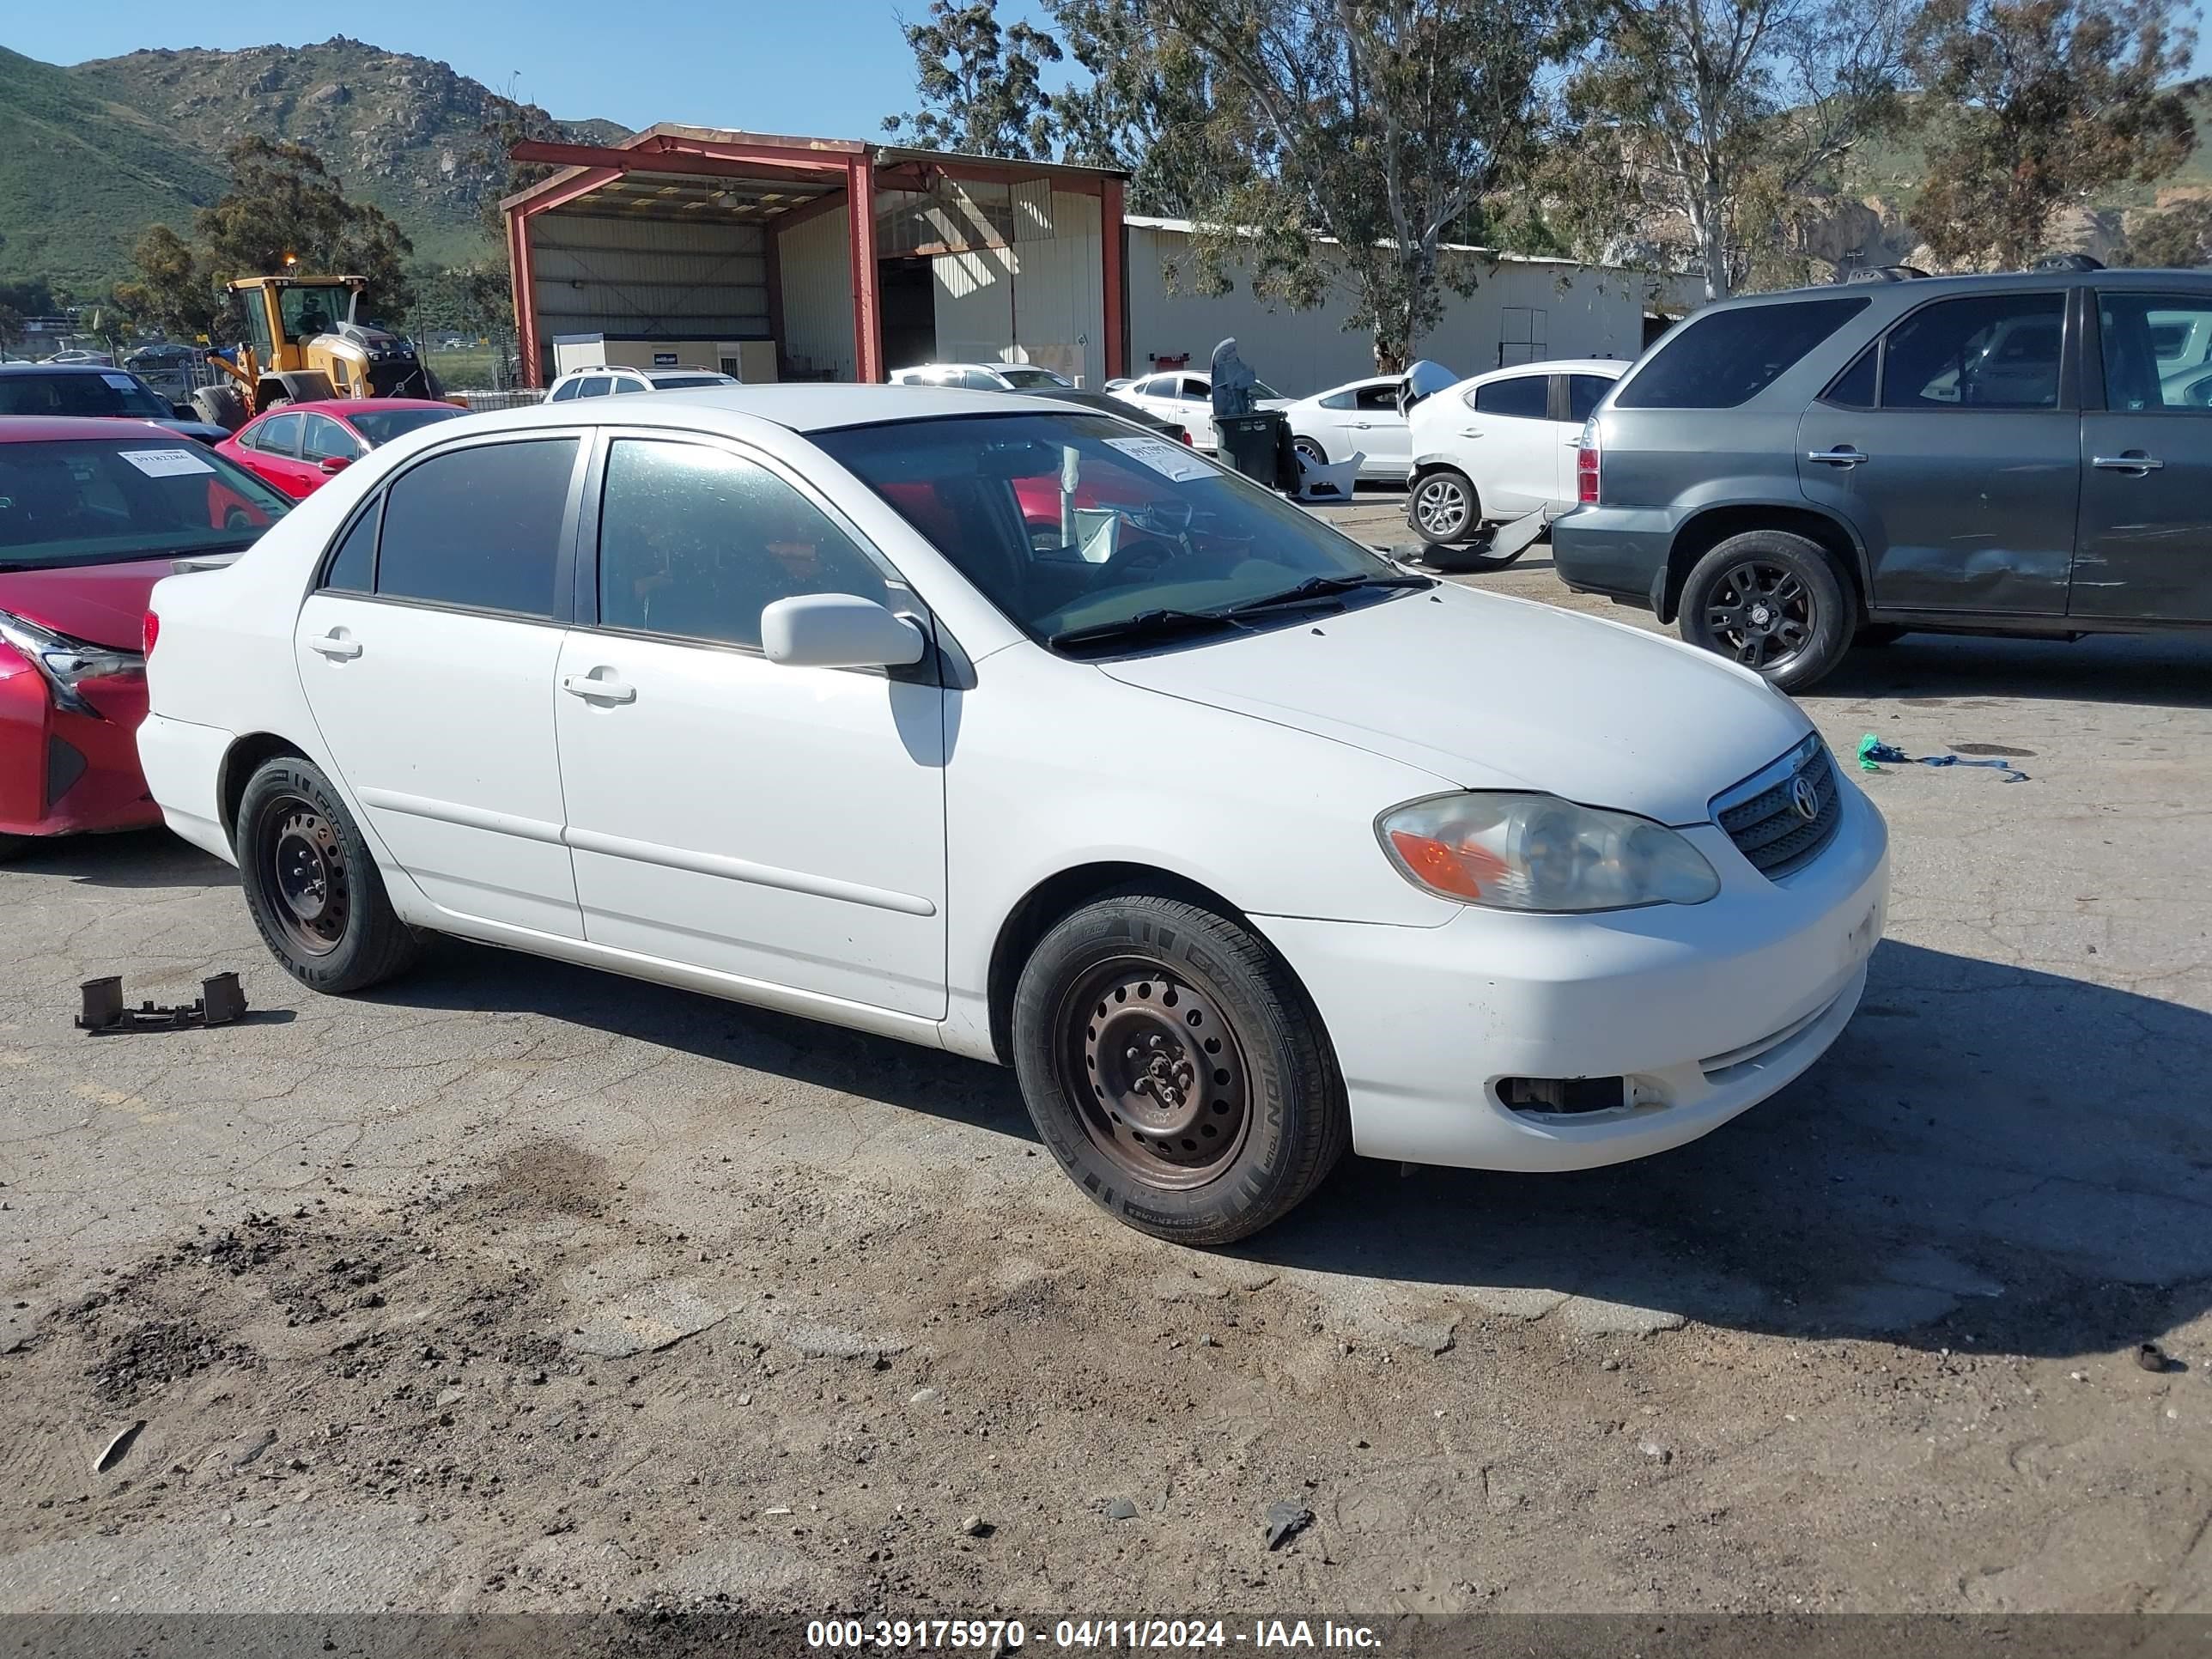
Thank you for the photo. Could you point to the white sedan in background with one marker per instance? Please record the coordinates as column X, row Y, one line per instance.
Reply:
column 1187, row 395
column 820, row 698
column 1360, row 417
column 983, row 377
column 1501, row 446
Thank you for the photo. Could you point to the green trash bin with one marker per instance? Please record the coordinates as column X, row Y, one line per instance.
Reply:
column 1255, row 444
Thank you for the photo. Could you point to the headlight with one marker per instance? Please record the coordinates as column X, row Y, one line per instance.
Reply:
column 67, row 663
column 1522, row 852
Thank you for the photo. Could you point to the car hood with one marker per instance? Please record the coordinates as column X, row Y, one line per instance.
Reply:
column 100, row 604
column 200, row 429
column 1488, row 692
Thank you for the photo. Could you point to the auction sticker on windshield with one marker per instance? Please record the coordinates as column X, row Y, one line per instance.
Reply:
column 1174, row 462
column 121, row 382
column 165, row 463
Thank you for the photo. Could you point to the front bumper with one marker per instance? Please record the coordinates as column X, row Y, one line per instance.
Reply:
column 64, row 774
column 1705, row 1009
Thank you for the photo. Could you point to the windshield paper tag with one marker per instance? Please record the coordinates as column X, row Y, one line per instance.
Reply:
column 121, row 382
column 165, row 463
column 1174, row 462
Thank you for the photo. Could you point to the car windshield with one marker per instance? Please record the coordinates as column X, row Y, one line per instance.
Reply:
column 103, row 500
column 381, row 426
column 1095, row 538
column 1018, row 377
column 106, row 392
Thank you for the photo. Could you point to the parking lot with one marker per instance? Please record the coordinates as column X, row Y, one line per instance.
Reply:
column 518, row 1286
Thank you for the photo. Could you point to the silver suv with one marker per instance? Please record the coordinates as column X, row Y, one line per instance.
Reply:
column 2023, row 454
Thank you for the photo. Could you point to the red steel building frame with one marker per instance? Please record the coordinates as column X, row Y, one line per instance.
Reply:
column 852, row 169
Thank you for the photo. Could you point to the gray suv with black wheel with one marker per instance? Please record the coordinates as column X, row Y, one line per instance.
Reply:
column 2027, row 454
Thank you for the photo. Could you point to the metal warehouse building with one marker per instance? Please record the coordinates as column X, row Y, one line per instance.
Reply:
column 812, row 258
column 1522, row 310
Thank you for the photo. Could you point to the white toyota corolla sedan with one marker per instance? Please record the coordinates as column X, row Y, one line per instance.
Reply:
column 1014, row 729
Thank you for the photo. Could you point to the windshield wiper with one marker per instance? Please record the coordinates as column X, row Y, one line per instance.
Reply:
column 1155, row 624
column 1327, row 587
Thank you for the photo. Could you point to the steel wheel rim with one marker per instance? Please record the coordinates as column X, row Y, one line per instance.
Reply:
column 1156, row 1075
column 1762, row 614
column 303, row 860
column 1440, row 506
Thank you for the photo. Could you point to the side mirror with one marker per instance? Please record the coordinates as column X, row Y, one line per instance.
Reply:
column 838, row 630
column 334, row 464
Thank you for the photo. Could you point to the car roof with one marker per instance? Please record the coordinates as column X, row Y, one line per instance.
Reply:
column 50, row 429
column 61, row 368
column 343, row 407
column 1613, row 366
column 1919, row 287
column 802, row 407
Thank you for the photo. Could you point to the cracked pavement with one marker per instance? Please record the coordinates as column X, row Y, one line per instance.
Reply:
column 535, row 1288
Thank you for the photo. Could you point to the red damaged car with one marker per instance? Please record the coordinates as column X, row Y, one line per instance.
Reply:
column 93, row 513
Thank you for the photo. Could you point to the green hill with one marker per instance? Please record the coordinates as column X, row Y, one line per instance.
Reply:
column 93, row 155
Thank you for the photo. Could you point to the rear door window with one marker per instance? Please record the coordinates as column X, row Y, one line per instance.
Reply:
column 1981, row 351
column 478, row 527
column 2156, row 348
column 1724, row 359
column 280, row 436
column 1523, row 398
column 1585, row 392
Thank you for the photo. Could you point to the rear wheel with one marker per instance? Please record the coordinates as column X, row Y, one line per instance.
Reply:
column 11, row 845
column 1775, row 602
column 1314, row 454
column 311, row 885
column 1445, row 508
column 1174, row 1067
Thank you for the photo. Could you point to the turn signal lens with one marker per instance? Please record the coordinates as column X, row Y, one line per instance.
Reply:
column 1509, row 851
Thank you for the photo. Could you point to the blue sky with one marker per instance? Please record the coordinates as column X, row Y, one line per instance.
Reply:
column 825, row 67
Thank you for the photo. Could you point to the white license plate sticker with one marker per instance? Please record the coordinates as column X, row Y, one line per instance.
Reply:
column 165, row 463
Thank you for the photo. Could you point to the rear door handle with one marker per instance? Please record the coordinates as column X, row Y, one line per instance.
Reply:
column 598, row 690
column 1470, row 432
column 1841, row 455
column 337, row 647
column 2134, row 461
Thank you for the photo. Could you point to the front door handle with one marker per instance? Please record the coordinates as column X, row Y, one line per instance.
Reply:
column 2135, row 461
column 599, row 690
column 1470, row 432
column 1841, row 455
column 337, row 646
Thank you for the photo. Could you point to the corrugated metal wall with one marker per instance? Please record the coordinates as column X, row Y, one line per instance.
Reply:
column 655, row 278
column 817, row 297
column 1570, row 311
column 1043, row 301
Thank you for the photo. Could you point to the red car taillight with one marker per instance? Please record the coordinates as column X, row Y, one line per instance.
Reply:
column 1185, row 435
column 1586, row 469
column 149, row 632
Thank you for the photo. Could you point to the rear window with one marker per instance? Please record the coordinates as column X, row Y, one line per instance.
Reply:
column 1525, row 397
column 97, row 500
column 1724, row 359
column 107, row 392
column 479, row 527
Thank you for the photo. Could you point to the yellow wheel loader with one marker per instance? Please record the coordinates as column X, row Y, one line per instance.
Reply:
column 306, row 341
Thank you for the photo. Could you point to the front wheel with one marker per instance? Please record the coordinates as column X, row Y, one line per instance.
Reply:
column 311, row 885
column 1174, row 1067
column 1445, row 508
column 11, row 845
column 1776, row 602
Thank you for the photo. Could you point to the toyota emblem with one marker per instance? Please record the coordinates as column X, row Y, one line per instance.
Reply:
column 1805, row 799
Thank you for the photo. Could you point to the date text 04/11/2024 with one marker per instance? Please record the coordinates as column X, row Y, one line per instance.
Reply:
column 999, row 1635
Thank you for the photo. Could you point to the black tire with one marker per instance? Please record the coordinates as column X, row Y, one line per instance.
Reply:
column 1123, row 1098
column 220, row 405
column 1774, row 601
column 1314, row 454
column 311, row 885
column 1875, row 633
column 11, row 845
column 1444, row 509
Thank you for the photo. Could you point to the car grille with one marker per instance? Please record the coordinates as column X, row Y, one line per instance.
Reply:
column 1767, row 824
